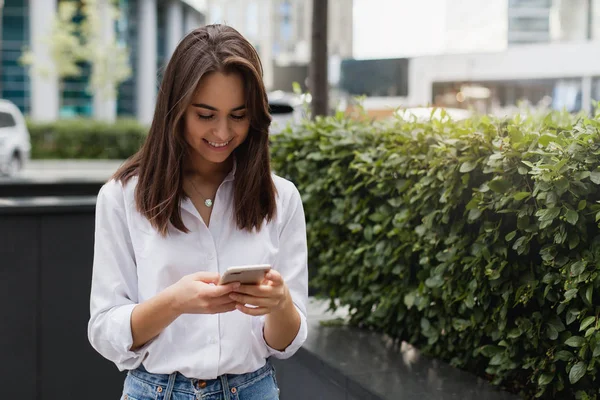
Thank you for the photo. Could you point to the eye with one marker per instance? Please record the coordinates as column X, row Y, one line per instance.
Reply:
column 205, row 117
column 238, row 117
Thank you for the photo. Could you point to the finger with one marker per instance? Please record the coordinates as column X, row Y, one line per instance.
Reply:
column 255, row 290
column 254, row 301
column 221, row 290
column 223, row 308
column 217, row 301
column 275, row 277
column 206, row 277
column 251, row 310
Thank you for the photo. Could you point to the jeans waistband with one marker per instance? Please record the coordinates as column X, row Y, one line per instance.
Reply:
column 181, row 383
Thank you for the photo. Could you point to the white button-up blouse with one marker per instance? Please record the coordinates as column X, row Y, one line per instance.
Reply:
column 133, row 262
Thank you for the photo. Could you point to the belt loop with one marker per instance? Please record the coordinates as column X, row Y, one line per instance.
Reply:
column 170, row 386
column 225, row 385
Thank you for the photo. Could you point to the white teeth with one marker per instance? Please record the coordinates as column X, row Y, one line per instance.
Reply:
column 213, row 144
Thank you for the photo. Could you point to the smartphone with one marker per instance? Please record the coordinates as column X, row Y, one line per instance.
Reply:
column 245, row 274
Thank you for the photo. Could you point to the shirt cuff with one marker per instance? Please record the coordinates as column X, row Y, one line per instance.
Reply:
column 122, row 336
column 294, row 346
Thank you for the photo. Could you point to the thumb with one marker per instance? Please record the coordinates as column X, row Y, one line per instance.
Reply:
column 206, row 277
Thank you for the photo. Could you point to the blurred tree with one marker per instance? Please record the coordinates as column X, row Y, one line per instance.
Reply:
column 318, row 84
column 90, row 40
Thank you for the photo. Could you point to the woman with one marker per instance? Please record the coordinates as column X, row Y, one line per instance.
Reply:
column 198, row 198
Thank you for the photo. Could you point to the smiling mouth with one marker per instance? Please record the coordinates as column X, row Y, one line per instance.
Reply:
column 218, row 145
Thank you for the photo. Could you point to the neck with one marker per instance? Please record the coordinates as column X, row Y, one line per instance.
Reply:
column 208, row 171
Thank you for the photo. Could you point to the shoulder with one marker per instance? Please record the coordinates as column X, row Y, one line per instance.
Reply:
column 286, row 190
column 288, row 196
column 118, row 193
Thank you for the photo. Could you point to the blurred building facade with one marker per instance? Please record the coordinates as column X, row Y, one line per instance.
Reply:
column 281, row 32
column 149, row 28
column 543, row 53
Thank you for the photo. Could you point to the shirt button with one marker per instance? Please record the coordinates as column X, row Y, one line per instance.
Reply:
column 211, row 257
column 233, row 390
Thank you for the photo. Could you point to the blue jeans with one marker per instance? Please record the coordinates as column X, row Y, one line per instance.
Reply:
column 257, row 385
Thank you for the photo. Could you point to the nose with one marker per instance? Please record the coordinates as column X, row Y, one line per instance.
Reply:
column 222, row 130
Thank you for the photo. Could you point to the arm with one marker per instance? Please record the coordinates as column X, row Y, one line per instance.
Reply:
column 281, row 312
column 114, row 281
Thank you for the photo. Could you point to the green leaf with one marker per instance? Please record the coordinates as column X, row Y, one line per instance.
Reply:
column 460, row 324
column 409, row 299
column 377, row 217
column 491, row 350
column 575, row 341
column 468, row 166
column 577, row 372
column 573, row 241
column 595, row 177
column 521, row 195
column 562, row 184
column 588, row 293
column 572, row 217
column 581, row 205
column 569, row 294
column 576, row 269
column 498, row 359
column 564, row 355
column 499, row 185
column 434, row 281
column 551, row 332
column 510, row 236
column 545, row 379
column 587, row 322
column 597, row 350
column 548, row 214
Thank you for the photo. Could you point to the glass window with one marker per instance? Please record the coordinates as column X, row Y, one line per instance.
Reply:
column 504, row 97
column 6, row 120
column 596, row 90
column 529, row 24
column 126, row 91
column 14, row 77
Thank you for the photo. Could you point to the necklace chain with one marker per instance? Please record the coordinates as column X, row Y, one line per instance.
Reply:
column 207, row 202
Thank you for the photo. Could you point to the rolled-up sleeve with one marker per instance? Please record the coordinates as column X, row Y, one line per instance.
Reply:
column 114, row 291
column 292, row 264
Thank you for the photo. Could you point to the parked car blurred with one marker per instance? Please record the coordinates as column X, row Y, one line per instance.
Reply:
column 15, row 143
column 427, row 113
column 285, row 108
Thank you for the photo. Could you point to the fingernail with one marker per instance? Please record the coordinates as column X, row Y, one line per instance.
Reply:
column 237, row 285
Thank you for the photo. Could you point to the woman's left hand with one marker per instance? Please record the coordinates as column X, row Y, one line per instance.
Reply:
column 270, row 296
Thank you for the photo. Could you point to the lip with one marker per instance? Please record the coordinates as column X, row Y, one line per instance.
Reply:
column 218, row 149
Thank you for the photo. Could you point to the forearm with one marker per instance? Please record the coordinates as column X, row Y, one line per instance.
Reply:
column 281, row 326
column 151, row 317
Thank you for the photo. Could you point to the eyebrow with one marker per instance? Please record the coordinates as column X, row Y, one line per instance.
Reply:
column 201, row 105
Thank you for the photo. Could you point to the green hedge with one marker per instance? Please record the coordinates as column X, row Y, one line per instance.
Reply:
column 80, row 138
column 476, row 241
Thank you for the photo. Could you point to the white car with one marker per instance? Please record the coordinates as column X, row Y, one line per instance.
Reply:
column 15, row 143
column 285, row 108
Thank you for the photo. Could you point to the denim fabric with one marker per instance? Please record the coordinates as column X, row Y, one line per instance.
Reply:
column 257, row 385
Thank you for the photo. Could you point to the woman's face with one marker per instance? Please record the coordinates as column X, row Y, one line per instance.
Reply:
column 217, row 120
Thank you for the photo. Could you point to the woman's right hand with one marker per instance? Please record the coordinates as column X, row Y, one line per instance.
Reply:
column 200, row 293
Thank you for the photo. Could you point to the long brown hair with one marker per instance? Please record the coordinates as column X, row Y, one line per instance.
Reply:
column 159, row 163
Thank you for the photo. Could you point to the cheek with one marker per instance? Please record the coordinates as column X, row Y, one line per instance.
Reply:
column 242, row 129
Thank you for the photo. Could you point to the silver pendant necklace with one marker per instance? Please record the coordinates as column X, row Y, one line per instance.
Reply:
column 207, row 202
